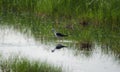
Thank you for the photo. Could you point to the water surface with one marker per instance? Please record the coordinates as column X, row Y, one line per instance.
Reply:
column 12, row 42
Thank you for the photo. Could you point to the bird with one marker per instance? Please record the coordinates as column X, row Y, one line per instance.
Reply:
column 58, row 34
column 59, row 46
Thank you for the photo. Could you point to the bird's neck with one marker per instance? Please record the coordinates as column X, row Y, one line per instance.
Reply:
column 54, row 32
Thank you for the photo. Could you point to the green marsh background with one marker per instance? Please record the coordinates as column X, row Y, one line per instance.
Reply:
column 85, row 21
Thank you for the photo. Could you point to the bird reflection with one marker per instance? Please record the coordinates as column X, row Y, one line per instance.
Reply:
column 59, row 46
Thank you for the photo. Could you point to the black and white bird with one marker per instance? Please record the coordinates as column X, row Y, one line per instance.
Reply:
column 58, row 34
column 59, row 46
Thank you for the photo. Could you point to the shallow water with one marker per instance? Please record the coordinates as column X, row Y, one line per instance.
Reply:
column 13, row 42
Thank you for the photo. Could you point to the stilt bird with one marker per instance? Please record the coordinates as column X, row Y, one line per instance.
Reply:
column 58, row 34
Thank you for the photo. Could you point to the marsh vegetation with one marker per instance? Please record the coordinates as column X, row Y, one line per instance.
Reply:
column 87, row 22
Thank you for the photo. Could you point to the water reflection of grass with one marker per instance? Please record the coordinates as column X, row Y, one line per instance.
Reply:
column 16, row 64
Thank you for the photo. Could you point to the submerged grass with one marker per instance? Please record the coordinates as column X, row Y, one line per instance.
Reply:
column 15, row 64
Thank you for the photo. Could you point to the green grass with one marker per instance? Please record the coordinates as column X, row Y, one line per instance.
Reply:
column 101, row 9
column 16, row 64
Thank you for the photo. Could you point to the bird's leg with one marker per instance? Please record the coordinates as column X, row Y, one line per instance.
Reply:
column 59, row 39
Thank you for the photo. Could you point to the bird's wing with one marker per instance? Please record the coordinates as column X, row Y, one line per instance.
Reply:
column 59, row 34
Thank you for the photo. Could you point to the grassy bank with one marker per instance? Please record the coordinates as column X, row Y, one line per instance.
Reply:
column 15, row 64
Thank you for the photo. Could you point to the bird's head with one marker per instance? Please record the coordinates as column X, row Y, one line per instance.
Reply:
column 52, row 50
column 53, row 29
